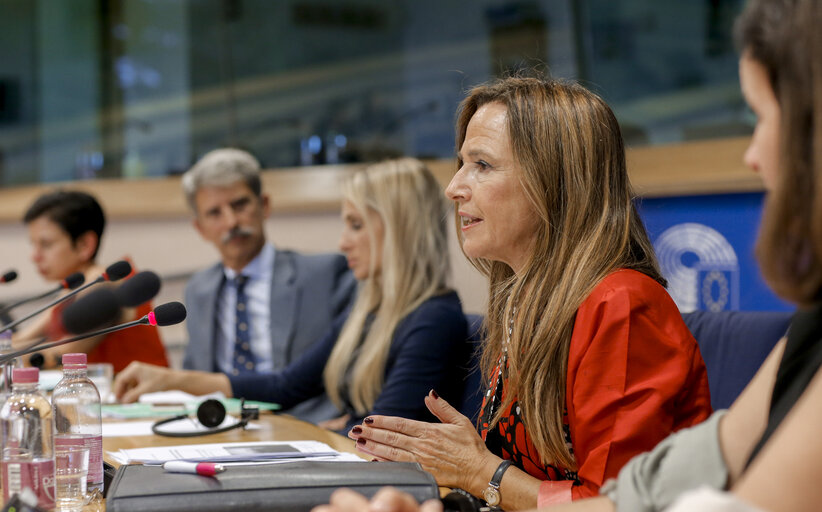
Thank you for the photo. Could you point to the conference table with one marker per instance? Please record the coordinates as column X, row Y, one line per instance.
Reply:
column 273, row 427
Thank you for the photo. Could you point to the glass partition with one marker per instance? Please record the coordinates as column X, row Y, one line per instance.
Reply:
column 141, row 88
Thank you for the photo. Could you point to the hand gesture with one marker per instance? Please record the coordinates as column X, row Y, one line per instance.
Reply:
column 452, row 451
column 139, row 378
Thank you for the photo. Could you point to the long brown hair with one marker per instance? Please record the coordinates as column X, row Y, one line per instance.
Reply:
column 569, row 148
column 785, row 37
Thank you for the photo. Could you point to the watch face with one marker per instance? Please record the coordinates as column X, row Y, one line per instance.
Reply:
column 491, row 496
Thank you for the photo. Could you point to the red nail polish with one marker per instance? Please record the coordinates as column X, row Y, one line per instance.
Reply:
column 361, row 441
column 369, row 420
column 356, row 430
column 435, row 395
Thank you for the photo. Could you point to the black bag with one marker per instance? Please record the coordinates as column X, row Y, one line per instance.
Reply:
column 287, row 487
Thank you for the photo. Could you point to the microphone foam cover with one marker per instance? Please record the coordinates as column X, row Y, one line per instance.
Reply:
column 169, row 313
column 74, row 280
column 118, row 270
column 9, row 276
column 138, row 289
column 37, row 360
column 91, row 311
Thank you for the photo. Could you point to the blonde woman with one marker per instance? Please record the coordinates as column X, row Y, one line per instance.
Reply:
column 404, row 335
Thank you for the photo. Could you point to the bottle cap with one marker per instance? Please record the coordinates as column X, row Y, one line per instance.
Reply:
column 25, row 375
column 78, row 359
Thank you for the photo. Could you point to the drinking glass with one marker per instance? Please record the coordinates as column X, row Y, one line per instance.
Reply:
column 101, row 374
column 71, row 473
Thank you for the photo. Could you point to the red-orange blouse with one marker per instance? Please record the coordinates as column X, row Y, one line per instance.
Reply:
column 635, row 375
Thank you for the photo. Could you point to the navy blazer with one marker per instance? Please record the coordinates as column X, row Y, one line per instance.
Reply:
column 429, row 350
column 307, row 293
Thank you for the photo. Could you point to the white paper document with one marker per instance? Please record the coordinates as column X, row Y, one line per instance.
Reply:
column 251, row 452
column 175, row 397
column 143, row 428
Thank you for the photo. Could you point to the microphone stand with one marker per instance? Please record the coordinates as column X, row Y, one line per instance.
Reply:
column 39, row 345
column 64, row 298
column 13, row 305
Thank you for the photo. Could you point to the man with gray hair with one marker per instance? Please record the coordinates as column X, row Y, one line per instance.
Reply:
column 260, row 307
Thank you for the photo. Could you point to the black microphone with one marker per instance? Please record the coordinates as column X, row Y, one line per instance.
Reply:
column 102, row 306
column 117, row 271
column 165, row 314
column 113, row 272
column 69, row 283
column 170, row 313
column 138, row 289
column 9, row 276
column 91, row 311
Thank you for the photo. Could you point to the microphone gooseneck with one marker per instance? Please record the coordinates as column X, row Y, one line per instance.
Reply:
column 113, row 272
column 69, row 283
column 170, row 313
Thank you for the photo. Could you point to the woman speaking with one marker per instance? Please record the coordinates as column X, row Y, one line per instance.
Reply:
column 586, row 361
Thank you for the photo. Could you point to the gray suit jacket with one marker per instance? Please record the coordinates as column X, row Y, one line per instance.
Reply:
column 307, row 293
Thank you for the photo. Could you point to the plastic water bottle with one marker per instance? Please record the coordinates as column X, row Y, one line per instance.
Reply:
column 27, row 459
column 76, row 404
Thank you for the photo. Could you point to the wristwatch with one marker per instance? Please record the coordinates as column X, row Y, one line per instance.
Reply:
column 491, row 493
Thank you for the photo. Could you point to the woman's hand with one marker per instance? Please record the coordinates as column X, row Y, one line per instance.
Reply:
column 139, row 378
column 387, row 499
column 451, row 451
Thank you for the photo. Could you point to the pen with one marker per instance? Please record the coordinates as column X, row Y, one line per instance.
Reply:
column 195, row 468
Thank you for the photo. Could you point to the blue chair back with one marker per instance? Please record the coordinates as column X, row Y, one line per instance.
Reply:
column 734, row 344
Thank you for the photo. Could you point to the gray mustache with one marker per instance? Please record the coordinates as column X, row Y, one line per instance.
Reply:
column 238, row 231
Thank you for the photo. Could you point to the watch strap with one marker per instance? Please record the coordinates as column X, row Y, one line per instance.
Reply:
column 491, row 493
column 497, row 478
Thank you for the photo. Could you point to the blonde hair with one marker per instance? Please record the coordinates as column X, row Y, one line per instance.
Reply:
column 568, row 146
column 415, row 267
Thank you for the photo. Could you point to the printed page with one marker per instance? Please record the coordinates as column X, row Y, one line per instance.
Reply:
column 231, row 452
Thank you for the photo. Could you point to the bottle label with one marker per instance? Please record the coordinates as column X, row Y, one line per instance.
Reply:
column 95, row 453
column 36, row 475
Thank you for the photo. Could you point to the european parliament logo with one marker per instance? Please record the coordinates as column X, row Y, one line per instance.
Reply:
column 701, row 267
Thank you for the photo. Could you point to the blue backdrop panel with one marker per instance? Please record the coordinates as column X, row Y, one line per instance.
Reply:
column 705, row 245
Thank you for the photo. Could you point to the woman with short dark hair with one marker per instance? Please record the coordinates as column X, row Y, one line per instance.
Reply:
column 65, row 230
